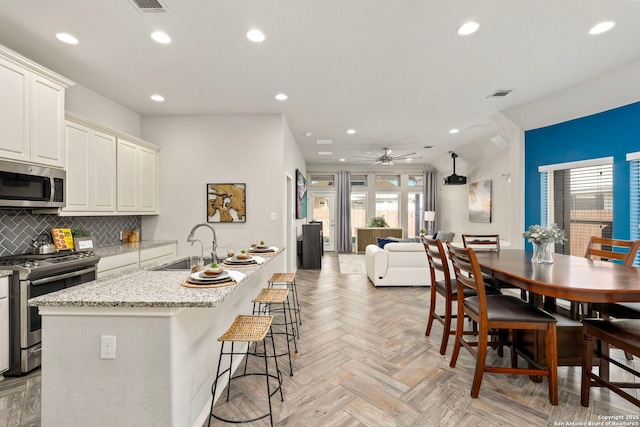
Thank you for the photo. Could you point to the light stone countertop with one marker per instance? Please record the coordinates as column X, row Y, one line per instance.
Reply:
column 5, row 273
column 144, row 288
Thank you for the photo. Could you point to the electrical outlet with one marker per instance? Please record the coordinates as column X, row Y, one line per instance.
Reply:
column 273, row 216
column 107, row 347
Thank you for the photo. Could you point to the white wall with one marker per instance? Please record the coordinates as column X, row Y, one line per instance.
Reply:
column 197, row 150
column 292, row 227
column 93, row 106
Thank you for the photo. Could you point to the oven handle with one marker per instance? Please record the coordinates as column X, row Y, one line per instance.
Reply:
column 62, row 276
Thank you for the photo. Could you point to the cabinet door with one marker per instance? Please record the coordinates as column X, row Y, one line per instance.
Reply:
column 104, row 172
column 127, row 176
column 47, row 112
column 78, row 167
column 14, row 111
column 148, row 180
column 4, row 324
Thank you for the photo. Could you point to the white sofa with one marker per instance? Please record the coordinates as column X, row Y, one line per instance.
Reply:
column 398, row 264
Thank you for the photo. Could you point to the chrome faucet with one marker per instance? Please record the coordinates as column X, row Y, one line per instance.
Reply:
column 214, row 244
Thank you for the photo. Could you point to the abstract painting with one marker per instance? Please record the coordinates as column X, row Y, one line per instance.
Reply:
column 226, row 203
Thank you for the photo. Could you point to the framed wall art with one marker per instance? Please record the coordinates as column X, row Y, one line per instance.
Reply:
column 301, row 195
column 226, row 203
column 480, row 201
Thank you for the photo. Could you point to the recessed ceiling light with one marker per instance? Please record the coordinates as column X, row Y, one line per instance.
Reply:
column 256, row 36
column 324, row 141
column 454, row 130
column 307, row 134
column 161, row 37
column 325, row 153
column 157, row 98
column 409, row 159
column 343, row 160
column 602, row 27
column 351, row 131
column 67, row 38
column 468, row 28
column 281, row 97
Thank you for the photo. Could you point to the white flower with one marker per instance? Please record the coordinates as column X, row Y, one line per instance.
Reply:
column 538, row 234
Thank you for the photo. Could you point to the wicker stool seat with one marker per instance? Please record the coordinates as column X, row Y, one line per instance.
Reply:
column 263, row 304
column 247, row 329
column 289, row 279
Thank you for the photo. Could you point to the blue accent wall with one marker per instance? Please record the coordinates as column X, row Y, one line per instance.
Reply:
column 612, row 133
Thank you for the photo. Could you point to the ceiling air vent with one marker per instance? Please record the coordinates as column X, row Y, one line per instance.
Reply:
column 149, row 6
column 500, row 93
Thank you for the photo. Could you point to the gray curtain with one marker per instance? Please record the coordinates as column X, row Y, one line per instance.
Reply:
column 343, row 235
column 431, row 195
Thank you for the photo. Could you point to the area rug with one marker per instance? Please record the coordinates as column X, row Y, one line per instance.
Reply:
column 352, row 264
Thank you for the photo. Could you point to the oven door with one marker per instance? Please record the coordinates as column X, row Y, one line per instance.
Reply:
column 30, row 320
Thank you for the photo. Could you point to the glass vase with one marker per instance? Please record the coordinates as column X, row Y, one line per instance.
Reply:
column 543, row 253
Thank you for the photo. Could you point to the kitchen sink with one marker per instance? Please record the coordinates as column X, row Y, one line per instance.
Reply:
column 183, row 264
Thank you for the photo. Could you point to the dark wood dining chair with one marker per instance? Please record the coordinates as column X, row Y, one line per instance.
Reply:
column 501, row 312
column 488, row 243
column 616, row 250
column 438, row 263
column 482, row 242
column 621, row 333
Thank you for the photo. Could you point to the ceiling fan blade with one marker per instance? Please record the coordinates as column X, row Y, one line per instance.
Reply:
column 403, row 155
column 376, row 162
column 367, row 157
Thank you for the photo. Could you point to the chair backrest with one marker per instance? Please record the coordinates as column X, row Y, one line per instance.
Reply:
column 482, row 242
column 605, row 249
column 437, row 260
column 468, row 274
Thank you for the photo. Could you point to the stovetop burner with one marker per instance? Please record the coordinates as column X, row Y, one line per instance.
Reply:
column 30, row 264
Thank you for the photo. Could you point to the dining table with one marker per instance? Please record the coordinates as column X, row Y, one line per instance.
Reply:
column 569, row 277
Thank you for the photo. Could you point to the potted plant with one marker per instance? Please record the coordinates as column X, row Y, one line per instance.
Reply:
column 378, row 221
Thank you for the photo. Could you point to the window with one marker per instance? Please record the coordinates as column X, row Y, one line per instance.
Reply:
column 387, row 205
column 634, row 205
column 580, row 201
column 322, row 180
column 415, row 215
column 387, row 180
column 358, row 180
column 358, row 213
column 415, row 181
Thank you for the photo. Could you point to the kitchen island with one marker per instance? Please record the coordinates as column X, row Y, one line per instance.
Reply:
column 166, row 349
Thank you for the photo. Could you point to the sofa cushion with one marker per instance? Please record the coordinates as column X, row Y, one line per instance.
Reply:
column 444, row 236
column 384, row 240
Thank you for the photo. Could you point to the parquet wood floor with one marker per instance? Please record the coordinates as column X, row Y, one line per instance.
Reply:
column 363, row 360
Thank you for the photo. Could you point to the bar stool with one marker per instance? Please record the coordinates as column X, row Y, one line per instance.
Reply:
column 289, row 279
column 262, row 304
column 247, row 329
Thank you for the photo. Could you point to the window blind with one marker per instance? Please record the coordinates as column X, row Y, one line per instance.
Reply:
column 544, row 199
column 581, row 204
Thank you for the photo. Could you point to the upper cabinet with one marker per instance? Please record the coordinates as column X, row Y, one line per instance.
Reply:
column 31, row 111
column 108, row 172
column 137, row 178
column 91, row 169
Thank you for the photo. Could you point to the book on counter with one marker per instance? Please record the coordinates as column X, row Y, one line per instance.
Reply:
column 62, row 238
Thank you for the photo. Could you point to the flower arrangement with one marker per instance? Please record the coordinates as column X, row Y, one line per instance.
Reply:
column 539, row 235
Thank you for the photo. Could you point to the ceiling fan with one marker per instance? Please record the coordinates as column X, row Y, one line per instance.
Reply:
column 386, row 158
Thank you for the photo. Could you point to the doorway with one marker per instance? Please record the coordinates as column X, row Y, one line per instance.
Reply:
column 323, row 205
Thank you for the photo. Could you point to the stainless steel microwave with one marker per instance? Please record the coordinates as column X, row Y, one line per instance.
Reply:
column 25, row 185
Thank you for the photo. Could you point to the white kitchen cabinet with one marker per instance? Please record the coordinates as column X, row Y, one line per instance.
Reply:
column 157, row 254
column 4, row 324
column 114, row 264
column 31, row 111
column 133, row 260
column 91, row 170
column 137, row 177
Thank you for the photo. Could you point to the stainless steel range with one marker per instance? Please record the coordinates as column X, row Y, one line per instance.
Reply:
column 36, row 275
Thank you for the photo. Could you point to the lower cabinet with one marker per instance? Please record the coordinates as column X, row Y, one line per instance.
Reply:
column 131, row 261
column 4, row 324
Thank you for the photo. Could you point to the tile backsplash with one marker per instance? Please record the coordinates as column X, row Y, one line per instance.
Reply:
column 19, row 227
